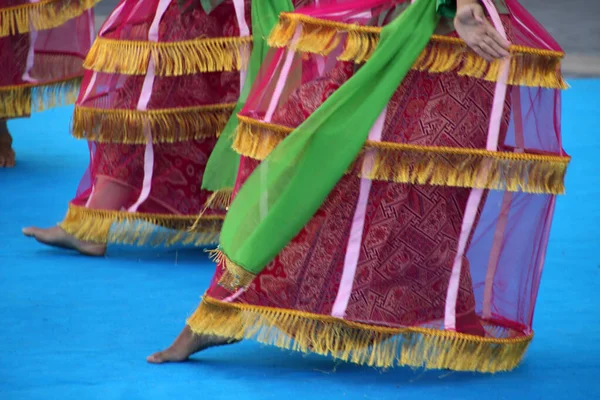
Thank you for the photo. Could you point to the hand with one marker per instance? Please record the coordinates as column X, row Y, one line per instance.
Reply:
column 479, row 34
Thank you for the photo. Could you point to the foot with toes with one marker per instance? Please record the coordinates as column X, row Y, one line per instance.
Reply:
column 58, row 237
column 186, row 344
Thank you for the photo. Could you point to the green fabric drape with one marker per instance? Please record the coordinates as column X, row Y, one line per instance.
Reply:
column 223, row 163
column 289, row 186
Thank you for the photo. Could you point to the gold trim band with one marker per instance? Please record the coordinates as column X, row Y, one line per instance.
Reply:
column 130, row 57
column 433, row 165
column 234, row 276
column 43, row 15
column 528, row 66
column 375, row 346
column 22, row 100
column 167, row 125
column 135, row 228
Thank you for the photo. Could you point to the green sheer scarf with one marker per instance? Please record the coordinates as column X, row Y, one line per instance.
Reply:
column 289, row 186
column 223, row 163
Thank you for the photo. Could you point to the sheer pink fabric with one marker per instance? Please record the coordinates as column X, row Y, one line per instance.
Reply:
column 411, row 233
column 40, row 59
column 121, row 176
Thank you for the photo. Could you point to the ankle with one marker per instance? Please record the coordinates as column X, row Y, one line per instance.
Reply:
column 5, row 137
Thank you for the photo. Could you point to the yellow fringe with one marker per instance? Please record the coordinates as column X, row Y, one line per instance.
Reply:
column 371, row 345
column 140, row 229
column 433, row 165
column 22, row 100
column 221, row 199
column 528, row 66
column 234, row 277
column 171, row 58
column 45, row 14
column 167, row 125
column 256, row 139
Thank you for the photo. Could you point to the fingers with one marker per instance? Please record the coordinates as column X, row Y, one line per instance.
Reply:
column 482, row 52
column 496, row 49
column 480, row 34
column 492, row 43
column 495, row 35
column 489, row 53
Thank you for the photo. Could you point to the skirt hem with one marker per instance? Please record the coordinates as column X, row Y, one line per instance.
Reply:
column 139, row 229
column 359, row 343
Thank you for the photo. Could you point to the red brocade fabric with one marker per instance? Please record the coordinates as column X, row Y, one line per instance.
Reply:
column 411, row 232
column 122, row 92
column 177, row 175
column 440, row 272
column 14, row 50
column 136, row 17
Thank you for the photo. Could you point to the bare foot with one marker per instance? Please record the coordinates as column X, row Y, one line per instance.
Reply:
column 186, row 344
column 57, row 237
column 7, row 154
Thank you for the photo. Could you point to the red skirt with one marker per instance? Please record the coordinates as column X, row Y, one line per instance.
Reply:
column 159, row 87
column 413, row 260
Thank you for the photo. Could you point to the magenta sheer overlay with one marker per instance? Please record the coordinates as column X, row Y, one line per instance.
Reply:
column 411, row 233
column 120, row 169
column 43, row 59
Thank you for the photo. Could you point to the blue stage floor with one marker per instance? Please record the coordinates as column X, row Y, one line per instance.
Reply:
column 73, row 327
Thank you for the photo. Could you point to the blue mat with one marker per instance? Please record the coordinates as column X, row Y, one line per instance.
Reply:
column 74, row 327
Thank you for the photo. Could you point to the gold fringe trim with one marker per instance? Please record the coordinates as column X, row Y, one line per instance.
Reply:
column 167, row 125
column 171, row 58
column 22, row 100
column 433, row 165
column 371, row 345
column 473, row 168
column 256, row 139
column 220, row 200
column 43, row 15
column 140, row 229
column 234, row 276
column 528, row 66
